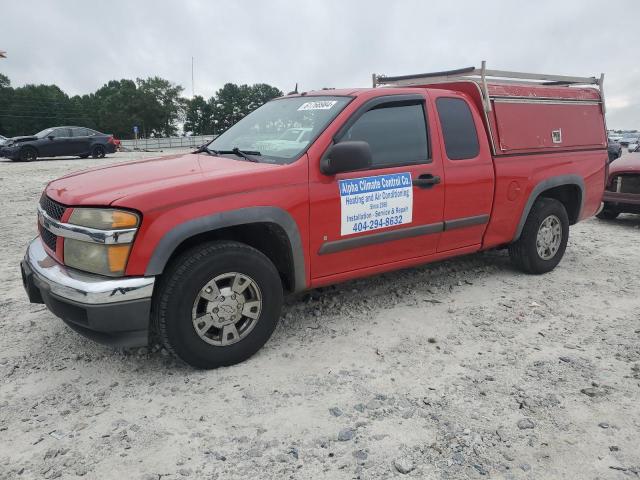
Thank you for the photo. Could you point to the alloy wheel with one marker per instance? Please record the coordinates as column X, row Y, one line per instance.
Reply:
column 549, row 237
column 226, row 309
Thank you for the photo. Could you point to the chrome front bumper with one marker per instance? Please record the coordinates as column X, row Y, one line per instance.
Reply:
column 623, row 198
column 83, row 287
column 111, row 311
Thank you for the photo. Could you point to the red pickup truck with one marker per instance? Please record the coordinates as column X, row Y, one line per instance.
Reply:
column 314, row 189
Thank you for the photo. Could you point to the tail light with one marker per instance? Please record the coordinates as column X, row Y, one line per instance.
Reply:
column 111, row 140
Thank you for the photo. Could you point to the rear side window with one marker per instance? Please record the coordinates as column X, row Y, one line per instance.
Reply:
column 80, row 132
column 397, row 134
column 61, row 133
column 458, row 128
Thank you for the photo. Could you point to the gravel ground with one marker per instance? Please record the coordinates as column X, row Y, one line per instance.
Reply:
column 460, row 369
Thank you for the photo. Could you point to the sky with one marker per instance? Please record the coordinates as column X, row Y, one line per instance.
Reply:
column 80, row 45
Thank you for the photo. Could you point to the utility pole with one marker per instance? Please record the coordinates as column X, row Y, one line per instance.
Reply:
column 193, row 88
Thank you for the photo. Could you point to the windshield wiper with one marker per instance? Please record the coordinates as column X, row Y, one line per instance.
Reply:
column 246, row 154
column 205, row 148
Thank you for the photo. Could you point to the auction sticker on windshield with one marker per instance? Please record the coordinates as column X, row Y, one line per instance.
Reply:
column 318, row 105
column 372, row 203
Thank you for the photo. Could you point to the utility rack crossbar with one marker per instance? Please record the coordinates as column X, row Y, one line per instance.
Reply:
column 482, row 76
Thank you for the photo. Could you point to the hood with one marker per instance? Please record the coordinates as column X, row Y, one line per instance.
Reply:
column 627, row 164
column 160, row 177
column 21, row 139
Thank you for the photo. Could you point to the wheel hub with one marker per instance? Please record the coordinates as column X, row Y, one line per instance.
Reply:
column 549, row 237
column 227, row 308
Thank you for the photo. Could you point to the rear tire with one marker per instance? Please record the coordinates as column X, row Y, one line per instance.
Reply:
column 98, row 151
column 607, row 213
column 28, row 154
column 217, row 304
column 543, row 239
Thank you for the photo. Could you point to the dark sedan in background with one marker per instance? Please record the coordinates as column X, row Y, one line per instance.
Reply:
column 59, row 141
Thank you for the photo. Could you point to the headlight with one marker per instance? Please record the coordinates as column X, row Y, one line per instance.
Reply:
column 103, row 219
column 100, row 258
column 108, row 260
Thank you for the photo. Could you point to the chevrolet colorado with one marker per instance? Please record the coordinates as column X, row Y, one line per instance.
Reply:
column 200, row 248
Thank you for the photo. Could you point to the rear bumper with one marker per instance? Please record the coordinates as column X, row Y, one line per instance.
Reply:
column 110, row 311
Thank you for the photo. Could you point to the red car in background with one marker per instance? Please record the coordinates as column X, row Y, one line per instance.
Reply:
column 622, row 193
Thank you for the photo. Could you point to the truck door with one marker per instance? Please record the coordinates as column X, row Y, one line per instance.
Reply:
column 468, row 166
column 389, row 212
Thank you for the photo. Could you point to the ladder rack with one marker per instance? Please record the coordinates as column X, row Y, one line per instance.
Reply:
column 482, row 76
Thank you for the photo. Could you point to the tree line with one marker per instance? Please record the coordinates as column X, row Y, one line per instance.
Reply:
column 155, row 105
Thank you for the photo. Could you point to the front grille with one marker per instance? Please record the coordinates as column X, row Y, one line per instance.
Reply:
column 48, row 238
column 630, row 184
column 54, row 209
column 625, row 184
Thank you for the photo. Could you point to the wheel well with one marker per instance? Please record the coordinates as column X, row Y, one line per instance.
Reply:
column 570, row 196
column 26, row 147
column 268, row 238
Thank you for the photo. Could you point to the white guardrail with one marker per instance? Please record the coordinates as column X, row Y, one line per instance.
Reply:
column 160, row 143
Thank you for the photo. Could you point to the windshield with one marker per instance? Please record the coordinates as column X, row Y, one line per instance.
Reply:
column 44, row 133
column 281, row 129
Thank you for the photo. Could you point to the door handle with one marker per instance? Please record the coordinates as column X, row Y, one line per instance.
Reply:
column 426, row 180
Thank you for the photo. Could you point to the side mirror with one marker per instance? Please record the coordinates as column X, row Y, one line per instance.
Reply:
column 346, row 157
column 51, row 137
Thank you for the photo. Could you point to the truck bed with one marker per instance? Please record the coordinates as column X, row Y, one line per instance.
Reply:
column 574, row 114
column 562, row 113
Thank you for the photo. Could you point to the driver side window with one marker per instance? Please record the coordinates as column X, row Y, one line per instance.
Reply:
column 396, row 134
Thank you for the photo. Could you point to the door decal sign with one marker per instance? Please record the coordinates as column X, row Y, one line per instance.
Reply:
column 371, row 203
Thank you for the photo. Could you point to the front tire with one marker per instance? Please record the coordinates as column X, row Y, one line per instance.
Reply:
column 28, row 154
column 543, row 239
column 217, row 304
column 607, row 213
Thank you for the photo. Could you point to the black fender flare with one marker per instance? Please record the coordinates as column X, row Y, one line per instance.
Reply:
column 174, row 237
column 547, row 184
